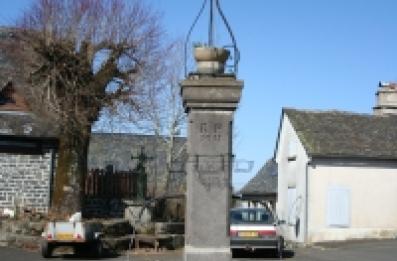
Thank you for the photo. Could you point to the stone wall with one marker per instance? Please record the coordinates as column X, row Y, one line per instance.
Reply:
column 25, row 181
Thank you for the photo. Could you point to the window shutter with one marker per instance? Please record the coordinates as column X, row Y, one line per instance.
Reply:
column 292, row 205
column 338, row 207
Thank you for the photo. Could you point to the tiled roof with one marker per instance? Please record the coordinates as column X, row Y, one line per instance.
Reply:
column 345, row 134
column 264, row 182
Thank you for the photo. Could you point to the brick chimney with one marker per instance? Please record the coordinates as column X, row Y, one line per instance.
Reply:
column 386, row 99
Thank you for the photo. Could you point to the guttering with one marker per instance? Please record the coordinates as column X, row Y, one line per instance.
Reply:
column 237, row 196
column 16, row 113
column 50, row 139
column 52, row 176
column 354, row 157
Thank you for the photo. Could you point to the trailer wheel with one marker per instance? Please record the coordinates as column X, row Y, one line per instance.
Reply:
column 79, row 250
column 97, row 249
column 46, row 249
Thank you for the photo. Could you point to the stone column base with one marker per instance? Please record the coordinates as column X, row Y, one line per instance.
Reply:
column 207, row 254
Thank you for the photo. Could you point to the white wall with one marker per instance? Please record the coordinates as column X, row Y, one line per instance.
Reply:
column 291, row 174
column 373, row 200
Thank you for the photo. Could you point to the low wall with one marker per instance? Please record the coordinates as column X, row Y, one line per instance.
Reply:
column 23, row 233
column 103, row 208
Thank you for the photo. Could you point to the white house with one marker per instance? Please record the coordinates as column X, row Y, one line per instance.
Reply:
column 337, row 172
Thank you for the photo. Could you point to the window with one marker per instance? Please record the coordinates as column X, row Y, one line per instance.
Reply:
column 246, row 216
column 338, row 207
column 6, row 94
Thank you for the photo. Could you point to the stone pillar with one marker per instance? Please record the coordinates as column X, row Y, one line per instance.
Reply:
column 210, row 101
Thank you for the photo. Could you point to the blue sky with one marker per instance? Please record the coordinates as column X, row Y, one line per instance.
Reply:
column 309, row 54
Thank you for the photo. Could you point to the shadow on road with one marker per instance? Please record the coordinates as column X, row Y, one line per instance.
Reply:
column 261, row 254
column 86, row 256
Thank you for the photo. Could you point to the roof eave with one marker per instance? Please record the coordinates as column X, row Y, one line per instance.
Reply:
column 352, row 157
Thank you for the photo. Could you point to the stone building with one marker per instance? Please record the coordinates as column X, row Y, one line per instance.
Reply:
column 27, row 144
column 27, row 154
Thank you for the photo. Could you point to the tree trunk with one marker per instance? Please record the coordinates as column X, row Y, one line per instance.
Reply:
column 70, row 173
column 170, row 161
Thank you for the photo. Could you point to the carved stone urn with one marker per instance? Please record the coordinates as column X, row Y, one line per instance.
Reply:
column 210, row 59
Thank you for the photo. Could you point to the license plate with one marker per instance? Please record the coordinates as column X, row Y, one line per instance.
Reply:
column 64, row 236
column 248, row 234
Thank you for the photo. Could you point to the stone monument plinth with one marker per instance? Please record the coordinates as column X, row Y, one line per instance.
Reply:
column 210, row 101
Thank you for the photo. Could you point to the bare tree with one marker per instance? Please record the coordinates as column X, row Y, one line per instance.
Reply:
column 77, row 57
column 161, row 114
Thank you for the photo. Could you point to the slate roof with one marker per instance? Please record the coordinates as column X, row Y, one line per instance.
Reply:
column 264, row 182
column 345, row 134
column 14, row 123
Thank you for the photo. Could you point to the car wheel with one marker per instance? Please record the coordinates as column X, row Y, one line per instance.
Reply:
column 280, row 247
column 234, row 252
column 46, row 249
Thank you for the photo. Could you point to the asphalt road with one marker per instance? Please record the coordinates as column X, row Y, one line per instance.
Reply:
column 385, row 250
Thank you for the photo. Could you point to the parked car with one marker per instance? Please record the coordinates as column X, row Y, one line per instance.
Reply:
column 254, row 228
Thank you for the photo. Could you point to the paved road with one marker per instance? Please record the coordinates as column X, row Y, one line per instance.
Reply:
column 14, row 254
column 385, row 250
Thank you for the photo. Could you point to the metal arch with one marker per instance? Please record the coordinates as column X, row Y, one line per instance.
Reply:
column 236, row 50
column 211, row 31
column 190, row 32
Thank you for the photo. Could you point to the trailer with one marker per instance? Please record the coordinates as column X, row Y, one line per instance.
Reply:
column 83, row 237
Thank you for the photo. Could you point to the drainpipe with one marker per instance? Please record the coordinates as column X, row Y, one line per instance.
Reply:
column 309, row 162
column 52, row 176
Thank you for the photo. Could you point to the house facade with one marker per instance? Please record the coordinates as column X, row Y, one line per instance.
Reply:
column 337, row 174
column 27, row 154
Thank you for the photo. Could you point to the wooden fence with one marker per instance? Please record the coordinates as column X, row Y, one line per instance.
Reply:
column 103, row 184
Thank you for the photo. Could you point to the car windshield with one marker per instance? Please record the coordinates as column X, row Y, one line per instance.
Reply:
column 239, row 216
